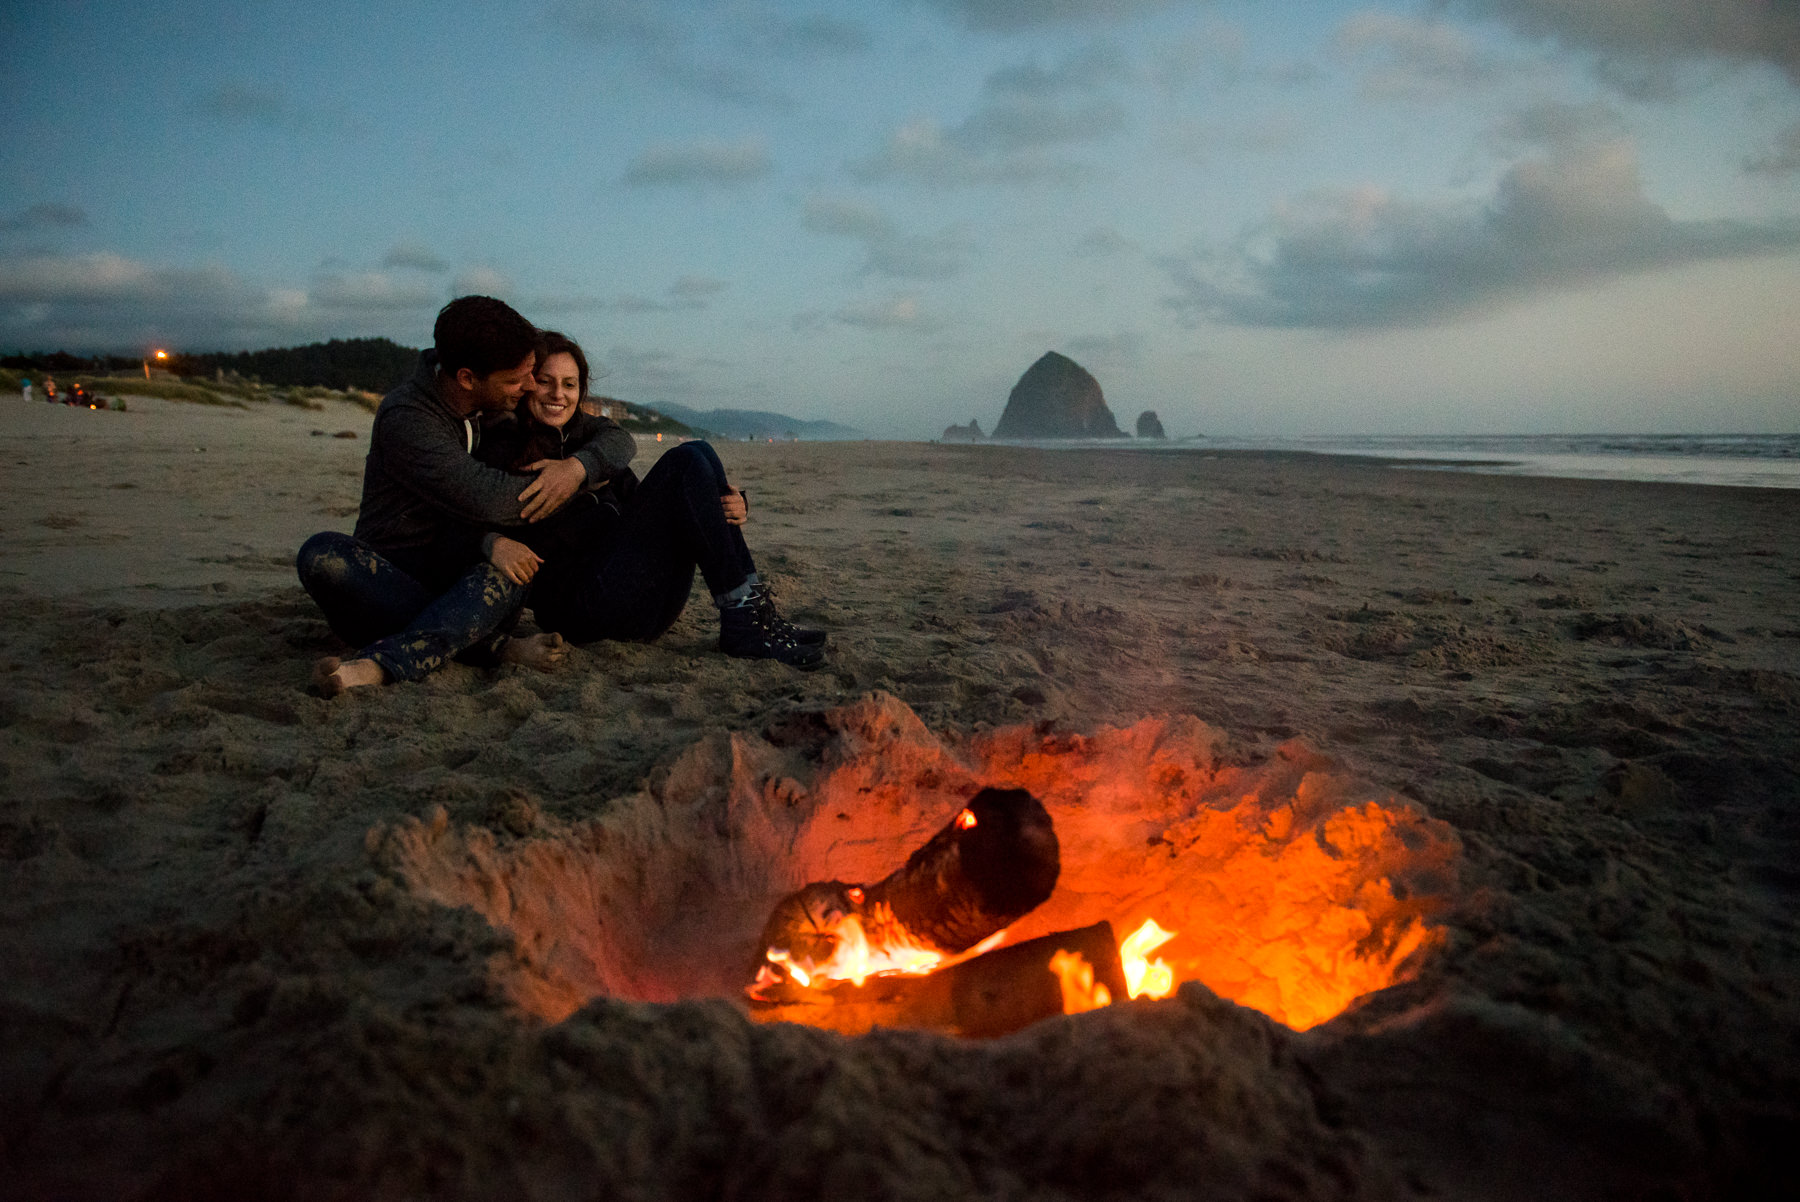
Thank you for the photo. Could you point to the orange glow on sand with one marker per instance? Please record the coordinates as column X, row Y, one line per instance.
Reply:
column 1290, row 887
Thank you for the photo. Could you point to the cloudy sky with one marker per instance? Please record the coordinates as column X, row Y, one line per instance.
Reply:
column 1255, row 218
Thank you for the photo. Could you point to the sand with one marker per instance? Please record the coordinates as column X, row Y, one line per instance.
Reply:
column 235, row 961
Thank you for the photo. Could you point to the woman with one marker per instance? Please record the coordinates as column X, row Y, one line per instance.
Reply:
column 618, row 561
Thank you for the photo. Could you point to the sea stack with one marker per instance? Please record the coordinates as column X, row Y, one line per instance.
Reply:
column 969, row 433
column 1057, row 398
column 1149, row 425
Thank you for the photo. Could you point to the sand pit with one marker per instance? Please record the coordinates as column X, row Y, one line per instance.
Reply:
column 260, row 944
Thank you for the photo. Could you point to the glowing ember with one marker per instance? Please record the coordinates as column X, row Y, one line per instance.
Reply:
column 1144, row 976
column 966, row 820
column 1080, row 993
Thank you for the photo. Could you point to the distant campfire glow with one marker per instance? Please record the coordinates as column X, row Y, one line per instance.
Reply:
column 809, row 875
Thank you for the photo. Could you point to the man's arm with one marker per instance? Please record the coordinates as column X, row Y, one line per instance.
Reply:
column 604, row 447
column 427, row 454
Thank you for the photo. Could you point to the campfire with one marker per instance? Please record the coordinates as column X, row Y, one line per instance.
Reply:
column 850, row 869
column 940, row 916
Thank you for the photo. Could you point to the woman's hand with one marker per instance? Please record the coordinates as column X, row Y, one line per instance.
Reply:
column 557, row 481
column 517, row 562
column 737, row 508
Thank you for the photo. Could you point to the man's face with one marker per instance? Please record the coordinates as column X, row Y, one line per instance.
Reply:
column 501, row 391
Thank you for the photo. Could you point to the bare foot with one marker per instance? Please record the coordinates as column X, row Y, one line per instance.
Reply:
column 332, row 676
column 539, row 651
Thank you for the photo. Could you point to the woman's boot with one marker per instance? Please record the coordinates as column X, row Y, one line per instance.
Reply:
column 747, row 631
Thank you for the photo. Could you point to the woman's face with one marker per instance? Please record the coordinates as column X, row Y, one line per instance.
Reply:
column 558, row 390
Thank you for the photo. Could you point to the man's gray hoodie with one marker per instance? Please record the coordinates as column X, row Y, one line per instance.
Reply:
column 420, row 480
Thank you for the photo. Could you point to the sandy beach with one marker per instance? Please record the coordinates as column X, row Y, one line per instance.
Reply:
column 477, row 937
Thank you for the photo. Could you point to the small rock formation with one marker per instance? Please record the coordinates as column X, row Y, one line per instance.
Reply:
column 1057, row 398
column 1149, row 425
column 969, row 433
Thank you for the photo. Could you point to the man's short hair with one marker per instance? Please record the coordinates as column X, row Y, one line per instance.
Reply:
column 482, row 334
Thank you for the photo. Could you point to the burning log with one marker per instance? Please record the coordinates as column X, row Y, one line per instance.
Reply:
column 990, row 995
column 995, row 861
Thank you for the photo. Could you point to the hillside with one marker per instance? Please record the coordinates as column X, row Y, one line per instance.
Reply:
column 758, row 424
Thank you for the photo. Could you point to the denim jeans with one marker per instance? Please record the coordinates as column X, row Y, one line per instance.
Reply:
column 633, row 581
column 392, row 616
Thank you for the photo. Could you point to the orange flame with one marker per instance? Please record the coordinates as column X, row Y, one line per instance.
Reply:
column 1080, row 993
column 966, row 820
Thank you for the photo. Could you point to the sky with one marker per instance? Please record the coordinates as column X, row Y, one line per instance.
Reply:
column 1256, row 219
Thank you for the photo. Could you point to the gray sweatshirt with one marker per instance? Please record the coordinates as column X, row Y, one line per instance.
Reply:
column 420, row 475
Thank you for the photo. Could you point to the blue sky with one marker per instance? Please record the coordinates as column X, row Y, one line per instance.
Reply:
column 1430, row 216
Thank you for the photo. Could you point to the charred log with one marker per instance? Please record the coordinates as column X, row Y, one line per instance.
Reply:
column 995, row 861
column 992, row 864
column 986, row 996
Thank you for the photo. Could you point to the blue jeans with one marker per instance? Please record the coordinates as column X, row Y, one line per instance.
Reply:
column 408, row 627
column 633, row 580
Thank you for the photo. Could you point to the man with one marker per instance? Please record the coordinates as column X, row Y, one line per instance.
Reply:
column 412, row 587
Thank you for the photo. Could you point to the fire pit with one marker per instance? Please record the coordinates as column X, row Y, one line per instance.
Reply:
column 849, row 869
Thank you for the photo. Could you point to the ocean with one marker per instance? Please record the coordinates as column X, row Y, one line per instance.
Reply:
column 1736, row 460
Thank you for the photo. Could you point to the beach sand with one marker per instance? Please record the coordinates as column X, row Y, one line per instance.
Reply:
column 230, row 965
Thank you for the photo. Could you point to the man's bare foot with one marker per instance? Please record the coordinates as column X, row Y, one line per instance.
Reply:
column 540, row 651
column 332, row 676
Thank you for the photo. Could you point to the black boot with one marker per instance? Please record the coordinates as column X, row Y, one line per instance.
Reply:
column 800, row 634
column 745, row 632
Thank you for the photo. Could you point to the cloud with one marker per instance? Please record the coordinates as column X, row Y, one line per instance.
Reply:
column 1363, row 259
column 371, row 290
column 900, row 314
column 1025, row 110
column 889, row 250
column 247, row 103
column 1638, row 41
column 481, row 281
column 1556, row 125
column 45, row 216
column 1103, row 242
column 632, row 372
column 415, row 256
column 1010, row 16
column 1215, row 51
column 641, row 22
column 689, row 293
column 1415, row 60
column 815, row 35
column 1116, row 350
column 1783, row 158
column 696, row 289
column 666, row 41
column 924, row 152
column 700, row 164
column 106, row 301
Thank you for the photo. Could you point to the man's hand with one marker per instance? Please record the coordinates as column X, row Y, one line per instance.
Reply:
column 517, row 562
column 737, row 509
column 557, row 481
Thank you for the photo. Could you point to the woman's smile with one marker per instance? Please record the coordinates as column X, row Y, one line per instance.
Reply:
column 558, row 390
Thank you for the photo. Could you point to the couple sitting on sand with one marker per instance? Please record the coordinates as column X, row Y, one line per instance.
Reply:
column 449, row 549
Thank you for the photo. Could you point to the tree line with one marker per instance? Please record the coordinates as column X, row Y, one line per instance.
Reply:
column 371, row 364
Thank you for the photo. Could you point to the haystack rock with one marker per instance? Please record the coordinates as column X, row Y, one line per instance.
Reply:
column 1057, row 398
column 1149, row 425
column 969, row 433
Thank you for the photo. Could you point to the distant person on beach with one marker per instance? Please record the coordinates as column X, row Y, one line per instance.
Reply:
column 50, row 390
column 25, row 389
column 618, row 563
column 411, row 588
